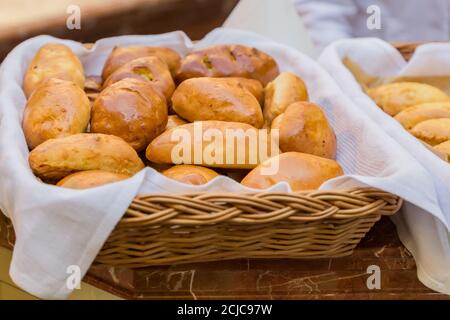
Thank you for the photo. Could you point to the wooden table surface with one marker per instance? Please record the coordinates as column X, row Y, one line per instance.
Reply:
column 339, row 278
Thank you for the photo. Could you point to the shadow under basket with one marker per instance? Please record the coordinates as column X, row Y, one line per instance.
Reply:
column 163, row 229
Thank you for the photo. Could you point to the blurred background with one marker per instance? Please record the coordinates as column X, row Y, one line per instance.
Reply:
column 22, row 19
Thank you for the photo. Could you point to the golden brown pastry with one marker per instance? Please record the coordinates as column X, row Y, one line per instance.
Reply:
column 93, row 84
column 286, row 89
column 254, row 86
column 190, row 174
column 53, row 60
column 303, row 127
column 57, row 108
column 121, row 55
column 395, row 97
column 151, row 69
column 200, row 99
column 302, row 171
column 421, row 112
column 56, row 158
column 218, row 144
column 444, row 148
column 228, row 61
column 174, row 121
column 90, row 179
column 433, row 132
column 130, row 109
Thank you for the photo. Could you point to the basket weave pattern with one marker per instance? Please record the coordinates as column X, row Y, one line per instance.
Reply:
column 166, row 229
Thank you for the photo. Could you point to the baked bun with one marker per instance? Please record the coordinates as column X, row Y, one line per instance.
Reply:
column 57, row 158
column 218, row 144
column 228, row 61
column 303, row 127
column 302, row 171
column 286, row 89
column 150, row 69
column 190, row 174
column 254, row 86
column 53, row 60
column 90, row 179
column 411, row 116
column 121, row 55
column 57, row 108
column 130, row 109
column 396, row 97
column 200, row 99
column 174, row 121
column 444, row 149
column 433, row 132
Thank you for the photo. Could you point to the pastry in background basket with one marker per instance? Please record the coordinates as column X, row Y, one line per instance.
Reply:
column 433, row 132
column 90, row 179
column 286, row 89
column 412, row 116
column 444, row 149
column 53, row 60
column 57, row 158
column 303, row 127
column 130, row 109
column 190, row 174
column 302, row 171
column 150, row 69
column 121, row 55
column 228, row 60
column 56, row 108
column 206, row 98
column 396, row 97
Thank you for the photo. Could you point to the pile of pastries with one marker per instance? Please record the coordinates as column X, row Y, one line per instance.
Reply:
column 85, row 131
column 422, row 109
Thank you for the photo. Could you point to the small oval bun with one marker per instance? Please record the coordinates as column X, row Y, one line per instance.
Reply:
column 150, row 69
column 302, row 171
column 190, row 174
column 412, row 116
column 228, row 61
column 56, row 158
column 395, row 97
column 53, row 60
column 433, row 132
column 303, row 127
column 286, row 89
column 254, row 86
column 200, row 99
column 57, row 108
column 174, row 121
column 444, row 149
column 130, row 109
column 218, row 144
column 121, row 55
column 90, row 179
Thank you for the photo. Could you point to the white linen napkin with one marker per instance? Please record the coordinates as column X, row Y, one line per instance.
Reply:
column 57, row 228
column 425, row 235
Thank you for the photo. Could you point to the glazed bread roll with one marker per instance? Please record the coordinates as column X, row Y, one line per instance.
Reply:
column 433, row 132
column 254, row 86
column 421, row 112
column 303, row 127
column 57, row 108
column 228, row 61
column 286, row 89
column 302, row 171
column 130, row 109
column 57, row 158
column 53, row 60
column 395, row 97
column 174, row 121
column 444, row 148
column 218, row 144
column 200, row 99
column 150, row 69
column 90, row 179
column 190, row 174
column 121, row 55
